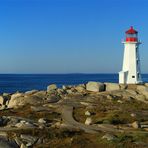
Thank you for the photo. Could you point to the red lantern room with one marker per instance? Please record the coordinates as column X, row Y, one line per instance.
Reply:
column 131, row 35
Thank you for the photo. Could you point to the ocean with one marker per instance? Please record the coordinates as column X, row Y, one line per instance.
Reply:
column 10, row 83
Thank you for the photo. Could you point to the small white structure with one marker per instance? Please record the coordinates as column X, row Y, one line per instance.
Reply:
column 131, row 73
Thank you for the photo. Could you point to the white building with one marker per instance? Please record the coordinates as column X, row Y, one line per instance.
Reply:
column 131, row 73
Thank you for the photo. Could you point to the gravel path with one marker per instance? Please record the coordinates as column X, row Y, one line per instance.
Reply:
column 67, row 116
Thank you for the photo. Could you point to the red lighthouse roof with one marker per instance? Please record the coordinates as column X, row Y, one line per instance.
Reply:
column 131, row 31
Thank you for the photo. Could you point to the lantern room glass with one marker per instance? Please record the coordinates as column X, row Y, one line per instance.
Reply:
column 131, row 35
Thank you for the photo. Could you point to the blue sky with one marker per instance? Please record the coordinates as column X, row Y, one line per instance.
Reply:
column 69, row 36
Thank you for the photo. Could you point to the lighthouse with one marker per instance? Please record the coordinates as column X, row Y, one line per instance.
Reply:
column 131, row 73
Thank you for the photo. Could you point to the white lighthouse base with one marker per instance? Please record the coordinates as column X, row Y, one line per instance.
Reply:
column 124, row 79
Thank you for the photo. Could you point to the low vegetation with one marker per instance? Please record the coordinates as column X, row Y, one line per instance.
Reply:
column 73, row 116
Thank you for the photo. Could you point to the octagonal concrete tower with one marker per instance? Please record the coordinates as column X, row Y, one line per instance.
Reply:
column 131, row 73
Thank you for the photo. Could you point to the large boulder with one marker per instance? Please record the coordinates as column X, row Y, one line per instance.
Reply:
column 40, row 94
column 51, row 87
column 112, row 86
column 30, row 140
column 2, row 100
column 95, row 86
column 23, row 100
column 123, row 86
column 88, row 121
column 53, row 99
column 16, row 95
column 80, row 88
column 31, row 92
column 60, row 91
column 132, row 92
column 142, row 89
column 141, row 98
column 146, row 84
column 65, row 87
column 135, row 124
column 42, row 121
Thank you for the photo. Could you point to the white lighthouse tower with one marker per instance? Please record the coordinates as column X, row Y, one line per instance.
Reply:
column 131, row 73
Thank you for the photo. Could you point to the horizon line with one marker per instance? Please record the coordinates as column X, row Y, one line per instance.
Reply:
column 55, row 73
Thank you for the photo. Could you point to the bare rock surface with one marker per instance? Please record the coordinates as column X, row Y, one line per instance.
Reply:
column 42, row 120
column 23, row 100
column 146, row 84
column 88, row 121
column 24, row 124
column 109, row 137
column 51, row 87
column 16, row 95
column 31, row 92
column 142, row 89
column 80, row 88
column 95, row 86
column 85, row 114
column 136, row 124
column 29, row 139
column 2, row 100
column 112, row 86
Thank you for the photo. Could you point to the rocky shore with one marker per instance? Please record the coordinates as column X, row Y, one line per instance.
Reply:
column 87, row 115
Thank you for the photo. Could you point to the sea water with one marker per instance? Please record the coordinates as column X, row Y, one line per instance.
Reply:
column 23, row 82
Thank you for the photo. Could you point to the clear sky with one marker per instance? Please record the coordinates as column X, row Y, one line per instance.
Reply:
column 69, row 36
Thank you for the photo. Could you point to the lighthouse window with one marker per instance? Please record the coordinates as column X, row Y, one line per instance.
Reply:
column 133, row 76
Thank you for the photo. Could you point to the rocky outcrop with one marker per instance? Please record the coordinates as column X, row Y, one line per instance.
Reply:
column 40, row 94
column 88, row 121
column 136, row 125
column 109, row 137
column 141, row 98
column 2, row 100
column 16, row 95
column 146, row 84
column 51, row 87
column 87, row 113
column 23, row 100
column 30, row 140
column 65, row 111
column 123, row 86
column 54, row 94
column 142, row 89
column 42, row 121
column 112, row 86
column 24, row 124
column 95, row 86
column 80, row 88
column 31, row 92
column 52, row 99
